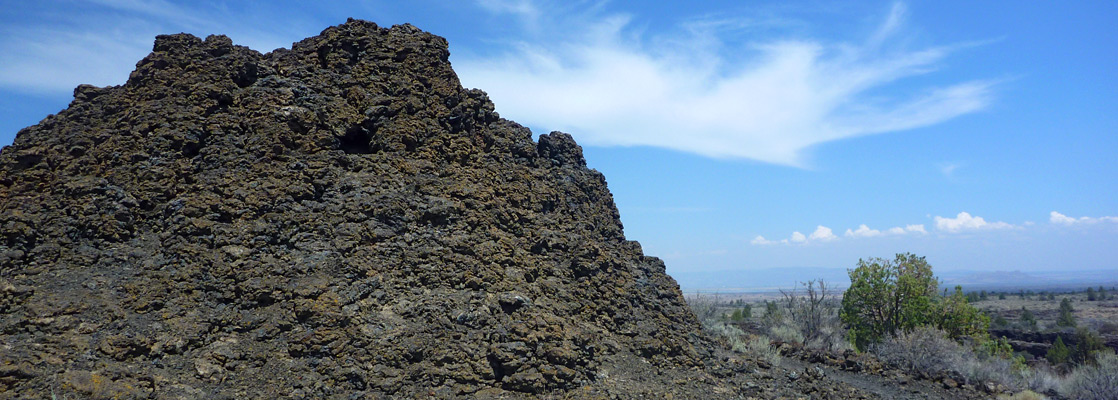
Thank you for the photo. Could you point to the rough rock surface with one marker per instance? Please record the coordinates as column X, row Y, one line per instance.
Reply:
column 337, row 220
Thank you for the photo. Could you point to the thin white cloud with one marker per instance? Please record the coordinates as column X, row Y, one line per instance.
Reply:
column 768, row 100
column 948, row 168
column 915, row 228
column 966, row 222
column 523, row 8
column 760, row 240
column 823, row 233
column 862, row 231
column 865, row 231
column 1061, row 219
column 891, row 25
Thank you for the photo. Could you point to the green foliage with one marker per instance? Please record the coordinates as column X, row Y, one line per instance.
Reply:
column 1102, row 293
column 959, row 319
column 1087, row 343
column 972, row 297
column 1059, row 353
column 1091, row 294
column 999, row 321
column 899, row 295
column 772, row 312
column 747, row 311
column 736, row 316
column 1000, row 349
column 1001, row 296
column 1051, row 296
column 983, row 295
column 1027, row 318
column 1066, row 317
column 886, row 296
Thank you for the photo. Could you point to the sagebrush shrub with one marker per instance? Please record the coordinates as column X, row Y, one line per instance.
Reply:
column 924, row 348
column 1094, row 382
column 761, row 348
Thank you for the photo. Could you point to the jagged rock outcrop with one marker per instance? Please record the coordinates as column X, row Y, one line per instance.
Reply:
column 338, row 220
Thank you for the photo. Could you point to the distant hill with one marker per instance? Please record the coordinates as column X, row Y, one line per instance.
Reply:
column 772, row 279
column 766, row 279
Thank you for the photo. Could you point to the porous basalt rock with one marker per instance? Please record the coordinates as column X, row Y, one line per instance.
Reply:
column 338, row 220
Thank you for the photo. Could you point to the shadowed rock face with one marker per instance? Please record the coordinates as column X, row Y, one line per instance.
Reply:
column 337, row 220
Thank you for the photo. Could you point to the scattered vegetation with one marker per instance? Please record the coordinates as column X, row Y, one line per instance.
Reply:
column 896, row 310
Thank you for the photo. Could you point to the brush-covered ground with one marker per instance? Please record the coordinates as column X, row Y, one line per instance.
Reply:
column 766, row 329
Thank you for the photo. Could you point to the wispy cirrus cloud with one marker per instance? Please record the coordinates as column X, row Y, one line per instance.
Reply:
column 696, row 93
column 99, row 42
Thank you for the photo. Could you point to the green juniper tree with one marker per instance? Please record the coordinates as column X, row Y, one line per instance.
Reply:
column 887, row 296
column 1058, row 353
column 1027, row 318
column 1066, row 317
column 1087, row 343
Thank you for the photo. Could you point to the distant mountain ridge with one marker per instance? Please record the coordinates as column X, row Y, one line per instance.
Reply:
column 772, row 279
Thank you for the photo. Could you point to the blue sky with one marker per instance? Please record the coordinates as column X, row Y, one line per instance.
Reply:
column 983, row 135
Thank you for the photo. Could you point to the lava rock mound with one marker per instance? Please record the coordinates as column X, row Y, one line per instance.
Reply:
column 338, row 220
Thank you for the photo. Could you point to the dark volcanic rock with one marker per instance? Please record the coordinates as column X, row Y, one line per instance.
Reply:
column 338, row 220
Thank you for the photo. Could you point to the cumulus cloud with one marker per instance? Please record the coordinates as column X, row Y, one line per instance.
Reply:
column 700, row 92
column 966, row 222
column 798, row 237
column 823, row 233
column 1061, row 219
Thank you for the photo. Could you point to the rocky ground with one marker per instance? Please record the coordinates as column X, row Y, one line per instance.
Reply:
column 340, row 220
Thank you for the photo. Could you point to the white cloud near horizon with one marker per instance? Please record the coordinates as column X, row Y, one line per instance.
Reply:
column 823, row 233
column 866, row 231
column 966, row 222
column 1061, row 219
column 696, row 92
